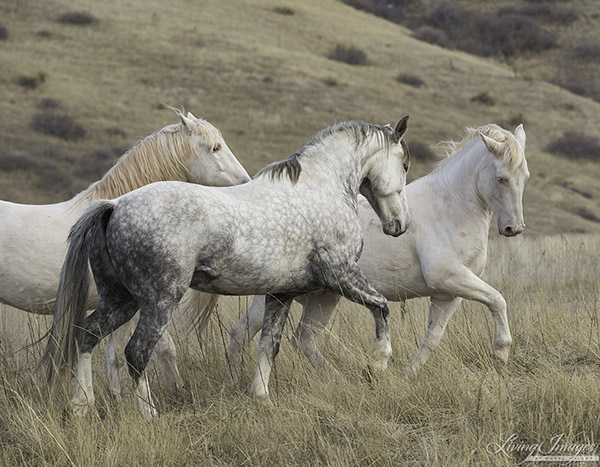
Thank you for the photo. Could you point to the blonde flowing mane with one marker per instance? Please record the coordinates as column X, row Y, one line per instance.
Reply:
column 162, row 156
column 513, row 155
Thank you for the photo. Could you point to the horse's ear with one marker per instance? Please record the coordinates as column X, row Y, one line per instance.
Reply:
column 187, row 122
column 520, row 135
column 400, row 129
column 494, row 146
column 190, row 115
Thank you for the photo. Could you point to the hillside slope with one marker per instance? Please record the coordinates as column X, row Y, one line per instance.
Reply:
column 264, row 79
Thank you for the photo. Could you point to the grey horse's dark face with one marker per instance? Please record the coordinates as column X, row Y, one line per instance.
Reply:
column 385, row 181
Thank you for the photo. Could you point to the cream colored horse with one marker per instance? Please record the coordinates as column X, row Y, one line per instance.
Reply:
column 33, row 237
column 443, row 253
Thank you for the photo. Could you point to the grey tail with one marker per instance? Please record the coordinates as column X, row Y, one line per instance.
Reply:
column 71, row 301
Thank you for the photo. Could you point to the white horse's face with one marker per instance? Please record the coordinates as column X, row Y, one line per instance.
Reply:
column 385, row 181
column 214, row 163
column 503, row 187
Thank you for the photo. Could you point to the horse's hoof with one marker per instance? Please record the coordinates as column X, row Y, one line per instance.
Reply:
column 369, row 376
column 79, row 410
column 499, row 365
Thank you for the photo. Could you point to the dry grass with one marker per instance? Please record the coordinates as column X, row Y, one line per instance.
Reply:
column 446, row 415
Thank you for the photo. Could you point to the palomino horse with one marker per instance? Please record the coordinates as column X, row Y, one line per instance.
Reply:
column 443, row 254
column 293, row 229
column 33, row 237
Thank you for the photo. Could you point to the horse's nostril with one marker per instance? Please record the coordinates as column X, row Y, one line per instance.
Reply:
column 508, row 230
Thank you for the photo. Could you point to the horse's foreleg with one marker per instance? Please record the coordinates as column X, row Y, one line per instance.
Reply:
column 354, row 286
column 241, row 334
column 440, row 312
column 466, row 284
column 316, row 313
column 276, row 311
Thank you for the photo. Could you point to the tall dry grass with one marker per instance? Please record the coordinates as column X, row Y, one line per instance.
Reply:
column 448, row 414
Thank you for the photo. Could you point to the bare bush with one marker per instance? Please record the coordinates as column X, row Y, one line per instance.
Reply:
column 61, row 126
column 484, row 98
column 421, row 152
column 576, row 146
column 577, row 85
column 31, row 81
column 48, row 103
column 77, row 18
column 410, row 79
column 348, row 54
column 432, row 35
column 545, row 12
column 487, row 35
column 3, row 32
column 51, row 178
column 284, row 10
column 13, row 162
column 98, row 161
column 587, row 51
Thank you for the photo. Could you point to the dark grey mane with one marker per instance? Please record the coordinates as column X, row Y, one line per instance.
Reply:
column 359, row 131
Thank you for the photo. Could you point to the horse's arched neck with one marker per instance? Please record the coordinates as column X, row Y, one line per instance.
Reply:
column 341, row 164
column 457, row 179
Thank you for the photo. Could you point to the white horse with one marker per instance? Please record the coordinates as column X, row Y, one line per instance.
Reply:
column 33, row 237
column 441, row 256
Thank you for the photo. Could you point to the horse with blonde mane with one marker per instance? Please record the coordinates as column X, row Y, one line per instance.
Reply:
column 441, row 256
column 33, row 237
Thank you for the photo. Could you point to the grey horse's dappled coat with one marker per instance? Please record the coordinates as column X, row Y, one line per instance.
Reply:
column 292, row 229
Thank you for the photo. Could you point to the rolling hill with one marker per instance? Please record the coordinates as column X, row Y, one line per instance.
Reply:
column 260, row 71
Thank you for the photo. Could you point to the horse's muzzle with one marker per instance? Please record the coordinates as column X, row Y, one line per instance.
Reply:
column 395, row 228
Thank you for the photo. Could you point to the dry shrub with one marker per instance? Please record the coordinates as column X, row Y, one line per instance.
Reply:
column 587, row 51
column 77, row 18
column 577, row 84
column 348, row 54
column 421, row 152
column 3, row 32
column 484, row 98
column 410, row 79
column 49, row 104
column 53, row 179
column 576, row 146
column 61, row 126
column 432, row 35
column 284, row 10
column 31, row 81
column 486, row 35
column 13, row 162
column 98, row 161
column 545, row 12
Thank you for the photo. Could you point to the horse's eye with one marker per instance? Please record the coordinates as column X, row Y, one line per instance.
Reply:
column 217, row 147
column 502, row 180
column 406, row 167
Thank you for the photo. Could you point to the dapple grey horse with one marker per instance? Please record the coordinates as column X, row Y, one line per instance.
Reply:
column 293, row 229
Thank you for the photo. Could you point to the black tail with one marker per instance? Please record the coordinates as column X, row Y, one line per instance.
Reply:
column 73, row 290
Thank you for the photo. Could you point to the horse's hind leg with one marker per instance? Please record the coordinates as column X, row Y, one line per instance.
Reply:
column 317, row 310
column 166, row 353
column 441, row 310
column 151, row 326
column 110, row 314
column 241, row 334
column 115, row 359
column 276, row 311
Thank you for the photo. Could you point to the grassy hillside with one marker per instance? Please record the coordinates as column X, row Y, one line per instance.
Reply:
column 455, row 412
column 260, row 71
